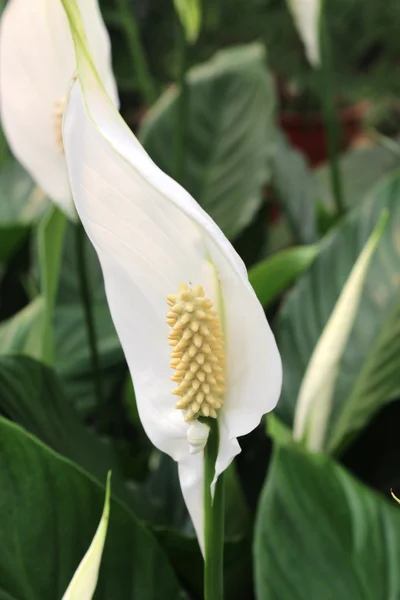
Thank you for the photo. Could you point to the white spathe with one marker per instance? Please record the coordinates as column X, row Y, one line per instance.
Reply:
column 84, row 581
column 314, row 404
column 150, row 235
column 37, row 62
column 306, row 14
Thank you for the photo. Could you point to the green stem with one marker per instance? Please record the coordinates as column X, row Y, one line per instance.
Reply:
column 330, row 115
column 145, row 80
column 183, row 105
column 83, row 273
column 213, row 521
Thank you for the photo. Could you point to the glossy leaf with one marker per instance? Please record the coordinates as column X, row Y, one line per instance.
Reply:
column 321, row 534
column 230, row 135
column 52, row 510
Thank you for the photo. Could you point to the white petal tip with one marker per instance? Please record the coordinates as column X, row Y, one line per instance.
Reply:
column 197, row 436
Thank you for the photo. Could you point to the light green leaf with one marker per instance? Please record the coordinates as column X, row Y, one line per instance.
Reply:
column 51, row 233
column 314, row 404
column 189, row 12
column 271, row 276
column 50, row 510
column 369, row 373
column 230, row 134
column 84, row 581
column 320, row 534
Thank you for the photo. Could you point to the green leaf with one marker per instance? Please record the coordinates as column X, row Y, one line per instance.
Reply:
column 21, row 205
column 321, row 534
column 31, row 395
column 360, row 169
column 72, row 355
column 51, row 233
column 23, row 333
column 189, row 12
column 230, row 134
column 271, row 276
column 52, row 510
column 369, row 374
column 297, row 193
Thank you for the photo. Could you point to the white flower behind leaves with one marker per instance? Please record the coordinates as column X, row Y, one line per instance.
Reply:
column 151, row 236
column 84, row 581
column 37, row 63
column 306, row 14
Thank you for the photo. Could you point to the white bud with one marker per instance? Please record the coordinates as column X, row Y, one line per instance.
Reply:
column 197, row 436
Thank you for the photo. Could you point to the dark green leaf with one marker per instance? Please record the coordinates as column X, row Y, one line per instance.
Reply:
column 230, row 135
column 23, row 333
column 21, row 205
column 73, row 362
column 369, row 375
column 321, row 534
column 50, row 513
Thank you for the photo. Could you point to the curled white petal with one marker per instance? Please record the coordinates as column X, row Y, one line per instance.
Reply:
column 197, row 435
column 150, row 235
column 37, row 63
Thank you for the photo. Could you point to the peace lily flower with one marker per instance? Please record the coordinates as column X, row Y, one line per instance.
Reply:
column 84, row 581
column 163, row 257
column 37, row 63
column 306, row 14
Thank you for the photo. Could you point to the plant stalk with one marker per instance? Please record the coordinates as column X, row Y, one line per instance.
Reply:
column 213, row 521
column 83, row 274
column 139, row 63
column 330, row 114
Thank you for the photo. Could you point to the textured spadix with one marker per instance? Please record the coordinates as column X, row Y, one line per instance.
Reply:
column 37, row 63
column 150, row 235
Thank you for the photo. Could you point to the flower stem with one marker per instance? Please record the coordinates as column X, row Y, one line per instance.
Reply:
column 183, row 105
column 145, row 80
column 330, row 115
column 83, row 274
column 213, row 520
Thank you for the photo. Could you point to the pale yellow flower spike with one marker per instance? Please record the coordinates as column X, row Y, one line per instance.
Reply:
column 197, row 354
